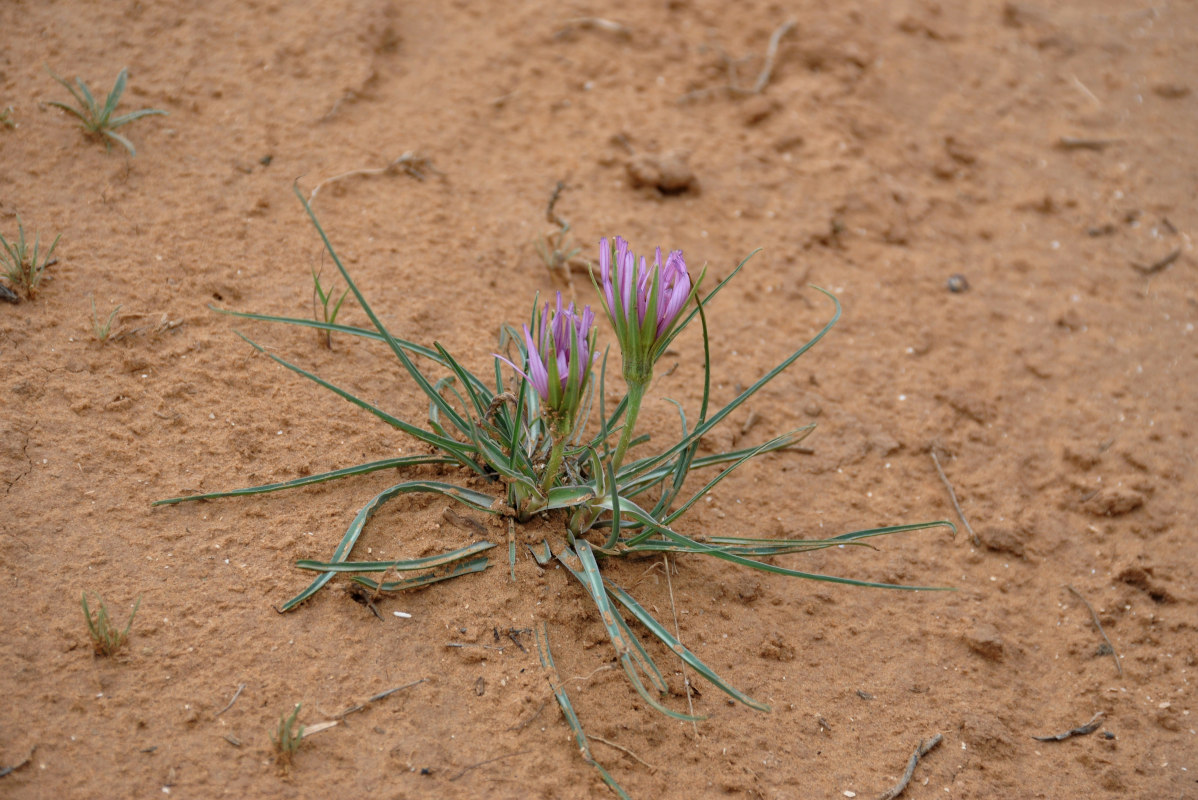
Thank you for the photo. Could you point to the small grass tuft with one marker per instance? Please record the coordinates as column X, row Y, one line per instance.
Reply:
column 106, row 638
column 287, row 738
column 6, row 118
column 321, row 297
column 23, row 267
column 102, row 330
column 97, row 119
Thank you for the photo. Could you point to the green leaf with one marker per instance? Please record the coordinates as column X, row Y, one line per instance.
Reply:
column 121, row 140
column 563, row 700
column 773, row 444
column 396, row 348
column 365, row 333
column 86, row 119
column 747, row 546
column 462, row 495
column 629, row 471
column 114, row 96
column 458, row 570
column 360, row 469
column 452, row 446
column 580, row 562
column 410, row 565
column 89, row 102
column 125, row 119
column 660, row 631
column 78, row 98
column 568, row 496
column 479, row 394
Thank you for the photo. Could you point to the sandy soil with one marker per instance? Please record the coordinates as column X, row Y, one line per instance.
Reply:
column 1042, row 152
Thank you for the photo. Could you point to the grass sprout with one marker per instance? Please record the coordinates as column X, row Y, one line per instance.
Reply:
column 97, row 119
column 23, row 266
column 544, row 444
column 107, row 639
column 321, row 297
column 287, row 737
column 102, row 330
column 6, row 117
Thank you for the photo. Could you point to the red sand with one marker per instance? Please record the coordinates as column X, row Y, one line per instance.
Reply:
column 1039, row 150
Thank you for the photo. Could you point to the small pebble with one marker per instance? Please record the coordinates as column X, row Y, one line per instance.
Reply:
column 957, row 284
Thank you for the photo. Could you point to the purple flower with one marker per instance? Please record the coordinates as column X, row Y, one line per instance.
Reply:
column 666, row 287
column 560, row 355
column 643, row 301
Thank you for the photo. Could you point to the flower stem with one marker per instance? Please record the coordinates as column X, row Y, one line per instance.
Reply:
column 561, row 431
column 636, row 393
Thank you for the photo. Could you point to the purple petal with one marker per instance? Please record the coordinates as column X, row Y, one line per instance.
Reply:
column 537, row 373
column 605, row 273
column 676, row 287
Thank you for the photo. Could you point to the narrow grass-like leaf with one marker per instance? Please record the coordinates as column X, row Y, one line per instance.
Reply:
column 700, row 430
column 125, row 119
column 78, row 97
column 710, row 296
column 580, row 562
column 407, row 362
column 683, row 466
column 682, row 509
column 748, row 546
column 451, row 446
column 341, row 553
column 479, row 395
column 122, row 141
column 65, row 107
column 563, row 701
column 568, row 496
column 660, row 631
column 615, row 507
column 365, row 333
column 649, row 479
column 686, row 545
column 360, row 469
column 644, row 660
column 409, row 565
column 542, row 556
column 114, row 96
column 456, row 571
column 89, row 101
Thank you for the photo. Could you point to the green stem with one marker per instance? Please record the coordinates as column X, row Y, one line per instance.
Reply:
column 636, row 393
column 561, row 431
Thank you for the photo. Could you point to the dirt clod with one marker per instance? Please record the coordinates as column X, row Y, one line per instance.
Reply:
column 668, row 173
column 984, row 639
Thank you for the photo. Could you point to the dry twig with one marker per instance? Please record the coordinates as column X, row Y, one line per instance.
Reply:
column 1097, row 624
column 236, row 694
column 924, row 748
column 593, row 23
column 1075, row 143
column 733, row 86
column 1158, row 265
column 522, row 725
column 690, row 704
column 953, row 496
column 377, row 697
column 409, row 162
column 6, row 770
column 624, row 750
column 1081, row 730
column 489, row 761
